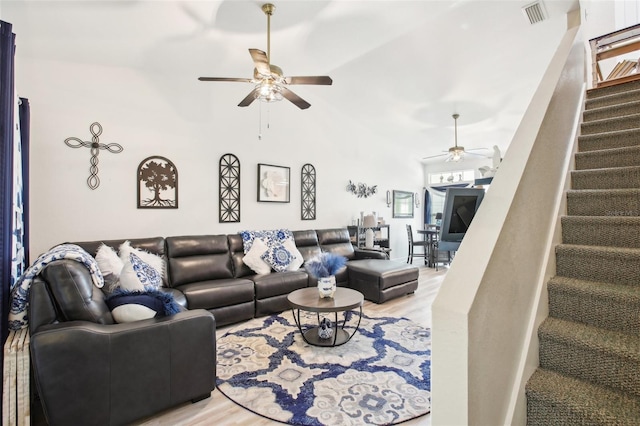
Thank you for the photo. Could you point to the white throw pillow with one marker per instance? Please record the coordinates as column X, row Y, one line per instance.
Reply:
column 253, row 259
column 129, row 279
column 298, row 260
column 108, row 261
column 156, row 262
column 132, row 312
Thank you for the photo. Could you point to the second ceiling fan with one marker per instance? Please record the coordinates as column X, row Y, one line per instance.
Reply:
column 456, row 153
column 270, row 83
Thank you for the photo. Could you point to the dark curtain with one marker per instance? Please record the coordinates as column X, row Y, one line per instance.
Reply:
column 25, row 134
column 7, row 102
column 427, row 206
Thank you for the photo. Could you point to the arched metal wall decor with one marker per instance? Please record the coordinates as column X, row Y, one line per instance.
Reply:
column 157, row 184
column 308, row 185
column 229, row 189
column 96, row 130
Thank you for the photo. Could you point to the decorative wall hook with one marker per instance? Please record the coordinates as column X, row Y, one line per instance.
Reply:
column 96, row 130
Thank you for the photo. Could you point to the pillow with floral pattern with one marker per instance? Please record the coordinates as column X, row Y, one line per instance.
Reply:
column 278, row 257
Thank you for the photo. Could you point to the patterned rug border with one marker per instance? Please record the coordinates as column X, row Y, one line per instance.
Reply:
column 382, row 376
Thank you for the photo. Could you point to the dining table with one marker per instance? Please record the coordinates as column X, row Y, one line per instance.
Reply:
column 430, row 235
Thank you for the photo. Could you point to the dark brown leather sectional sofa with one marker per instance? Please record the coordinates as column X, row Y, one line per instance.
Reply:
column 124, row 372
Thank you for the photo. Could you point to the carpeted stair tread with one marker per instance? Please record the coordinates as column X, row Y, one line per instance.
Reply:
column 610, row 124
column 604, row 357
column 601, row 202
column 600, row 304
column 612, row 90
column 554, row 399
column 611, row 231
column 611, row 157
column 612, row 111
column 606, row 178
column 606, row 140
column 612, row 99
column 618, row 265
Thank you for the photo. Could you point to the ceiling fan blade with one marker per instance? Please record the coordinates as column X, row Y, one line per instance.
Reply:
column 319, row 80
column 261, row 61
column 250, row 98
column 295, row 99
column 242, row 80
column 434, row 156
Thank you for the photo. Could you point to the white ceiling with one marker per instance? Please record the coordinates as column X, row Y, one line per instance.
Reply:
column 401, row 67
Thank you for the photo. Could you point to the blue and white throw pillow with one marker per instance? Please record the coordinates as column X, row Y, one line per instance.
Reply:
column 271, row 237
column 138, row 275
column 278, row 257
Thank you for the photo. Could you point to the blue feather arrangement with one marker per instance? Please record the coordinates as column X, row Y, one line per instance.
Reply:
column 325, row 265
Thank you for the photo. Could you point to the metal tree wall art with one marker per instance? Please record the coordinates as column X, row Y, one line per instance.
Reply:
column 96, row 130
column 308, row 184
column 229, row 189
column 157, row 184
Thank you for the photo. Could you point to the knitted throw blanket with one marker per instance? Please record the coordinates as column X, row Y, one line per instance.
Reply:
column 19, row 300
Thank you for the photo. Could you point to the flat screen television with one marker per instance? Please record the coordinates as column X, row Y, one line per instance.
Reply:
column 460, row 206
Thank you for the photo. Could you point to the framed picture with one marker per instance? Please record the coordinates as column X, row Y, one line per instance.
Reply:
column 402, row 204
column 273, row 183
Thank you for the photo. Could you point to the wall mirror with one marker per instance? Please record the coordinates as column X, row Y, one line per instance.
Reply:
column 402, row 204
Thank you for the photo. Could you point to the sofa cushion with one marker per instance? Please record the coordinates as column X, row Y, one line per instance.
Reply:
column 279, row 284
column 218, row 293
column 75, row 296
column 198, row 258
column 307, row 243
column 336, row 241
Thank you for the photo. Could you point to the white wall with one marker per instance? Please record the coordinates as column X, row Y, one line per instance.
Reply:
column 192, row 124
column 483, row 315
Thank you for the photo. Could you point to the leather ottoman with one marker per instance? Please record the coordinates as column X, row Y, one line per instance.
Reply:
column 381, row 280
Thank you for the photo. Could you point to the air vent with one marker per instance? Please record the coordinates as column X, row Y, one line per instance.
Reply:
column 534, row 12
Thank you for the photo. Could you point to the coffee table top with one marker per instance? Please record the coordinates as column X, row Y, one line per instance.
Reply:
column 308, row 299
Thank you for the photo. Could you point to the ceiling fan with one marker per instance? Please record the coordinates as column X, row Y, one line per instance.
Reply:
column 270, row 83
column 456, row 153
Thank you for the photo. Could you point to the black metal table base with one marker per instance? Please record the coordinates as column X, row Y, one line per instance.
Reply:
column 340, row 335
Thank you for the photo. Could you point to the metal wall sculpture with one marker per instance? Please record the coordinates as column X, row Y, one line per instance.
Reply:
column 308, row 185
column 229, row 190
column 157, row 184
column 96, row 130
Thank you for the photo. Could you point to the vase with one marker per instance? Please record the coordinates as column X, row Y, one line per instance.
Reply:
column 369, row 237
column 327, row 286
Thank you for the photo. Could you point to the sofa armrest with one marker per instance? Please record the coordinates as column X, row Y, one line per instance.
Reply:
column 123, row 372
column 369, row 254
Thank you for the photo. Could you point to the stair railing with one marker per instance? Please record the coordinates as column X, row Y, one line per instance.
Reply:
column 613, row 45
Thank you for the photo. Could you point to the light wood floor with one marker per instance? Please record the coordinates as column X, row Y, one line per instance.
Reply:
column 218, row 410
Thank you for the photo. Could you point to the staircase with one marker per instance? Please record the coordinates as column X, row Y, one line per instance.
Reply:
column 589, row 370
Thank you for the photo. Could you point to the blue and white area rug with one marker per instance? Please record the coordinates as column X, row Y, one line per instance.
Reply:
column 380, row 377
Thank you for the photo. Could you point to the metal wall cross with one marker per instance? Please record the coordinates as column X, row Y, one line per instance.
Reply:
column 96, row 130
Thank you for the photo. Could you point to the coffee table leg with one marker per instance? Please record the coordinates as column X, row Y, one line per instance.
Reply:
column 357, row 325
column 296, row 319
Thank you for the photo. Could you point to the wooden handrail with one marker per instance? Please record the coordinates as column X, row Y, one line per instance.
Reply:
column 611, row 45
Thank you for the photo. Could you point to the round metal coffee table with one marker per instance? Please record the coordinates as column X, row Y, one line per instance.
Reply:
column 343, row 300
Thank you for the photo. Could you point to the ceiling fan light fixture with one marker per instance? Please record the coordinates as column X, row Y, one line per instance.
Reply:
column 268, row 91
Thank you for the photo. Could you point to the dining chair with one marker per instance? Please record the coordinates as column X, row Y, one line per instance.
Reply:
column 416, row 243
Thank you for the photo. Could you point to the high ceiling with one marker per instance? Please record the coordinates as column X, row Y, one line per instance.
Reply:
column 402, row 67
